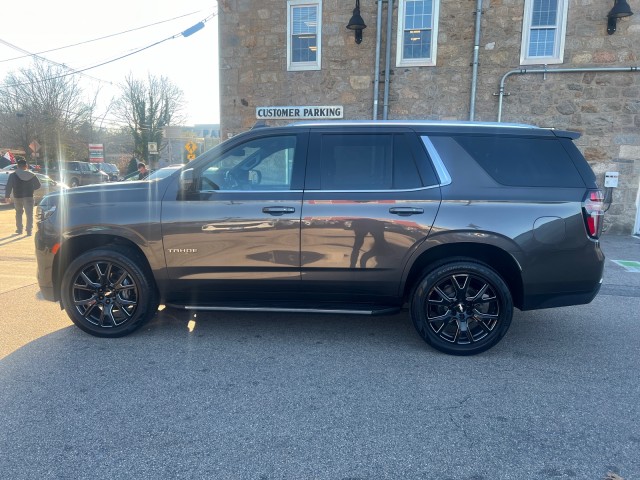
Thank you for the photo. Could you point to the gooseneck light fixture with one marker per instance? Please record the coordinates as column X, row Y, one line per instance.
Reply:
column 357, row 23
column 620, row 9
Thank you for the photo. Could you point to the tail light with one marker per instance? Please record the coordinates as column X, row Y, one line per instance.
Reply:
column 593, row 212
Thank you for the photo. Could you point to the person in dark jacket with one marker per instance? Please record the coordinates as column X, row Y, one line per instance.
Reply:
column 22, row 183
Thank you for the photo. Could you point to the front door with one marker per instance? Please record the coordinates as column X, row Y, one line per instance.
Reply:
column 238, row 234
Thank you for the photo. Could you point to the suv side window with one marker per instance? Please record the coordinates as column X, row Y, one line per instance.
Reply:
column 261, row 164
column 366, row 162
column 522, row 161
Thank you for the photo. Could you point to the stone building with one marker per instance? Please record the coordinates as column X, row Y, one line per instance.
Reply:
column 542, row 62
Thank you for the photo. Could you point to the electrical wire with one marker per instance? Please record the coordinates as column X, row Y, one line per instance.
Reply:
column 74, row 72
column 92, row 40
column 35, row 55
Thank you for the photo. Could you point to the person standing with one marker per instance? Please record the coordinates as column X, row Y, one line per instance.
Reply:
column 143, row 172
column 22, row 183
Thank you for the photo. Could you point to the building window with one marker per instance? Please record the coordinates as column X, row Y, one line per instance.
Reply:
column 543, row 32
column 304, row 27
column 417, row 33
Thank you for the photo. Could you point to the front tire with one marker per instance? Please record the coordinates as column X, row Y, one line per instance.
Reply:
column 108, row 292
column 461, row 307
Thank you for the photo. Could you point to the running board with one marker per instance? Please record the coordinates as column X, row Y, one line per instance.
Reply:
column 360, row 310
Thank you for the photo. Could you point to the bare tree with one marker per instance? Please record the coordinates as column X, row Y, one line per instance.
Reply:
column 146, row 108
column 45, row 104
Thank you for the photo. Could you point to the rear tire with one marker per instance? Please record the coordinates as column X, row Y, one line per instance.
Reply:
column 109, row 292
column 461, row 307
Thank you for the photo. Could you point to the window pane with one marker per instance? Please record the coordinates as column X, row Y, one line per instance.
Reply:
column 418, row 14
column 356, row 162
column 541, row 42
column 304, row 48
column 417, row 44
column 261, row 164
column 405, row 172
column 523, row 161
column 304, row 20
column 544, row 13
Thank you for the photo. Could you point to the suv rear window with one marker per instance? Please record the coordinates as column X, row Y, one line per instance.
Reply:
column 523, row 162
column 367, row 162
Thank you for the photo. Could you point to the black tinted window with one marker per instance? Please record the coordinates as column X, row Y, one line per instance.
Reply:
column 366, row 162
column 523, row 162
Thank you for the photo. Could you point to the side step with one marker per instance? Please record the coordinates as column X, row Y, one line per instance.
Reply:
column 329, row 308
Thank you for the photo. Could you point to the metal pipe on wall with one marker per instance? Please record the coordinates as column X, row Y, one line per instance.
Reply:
column 385, row 103
column 376, row 80
column 476, row 53
column 523, row 71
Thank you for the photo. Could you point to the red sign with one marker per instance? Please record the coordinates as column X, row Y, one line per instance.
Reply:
column 96, row 153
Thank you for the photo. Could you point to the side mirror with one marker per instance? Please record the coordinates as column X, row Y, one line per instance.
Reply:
column 187, row 180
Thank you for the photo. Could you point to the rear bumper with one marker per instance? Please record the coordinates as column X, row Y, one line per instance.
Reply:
column 535, row 302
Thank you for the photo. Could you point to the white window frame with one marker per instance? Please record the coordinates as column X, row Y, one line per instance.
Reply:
column 417, row 62
column 301, row 66
column 559, row 37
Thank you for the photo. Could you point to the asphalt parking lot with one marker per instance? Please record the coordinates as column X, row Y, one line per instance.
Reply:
column 254, row 396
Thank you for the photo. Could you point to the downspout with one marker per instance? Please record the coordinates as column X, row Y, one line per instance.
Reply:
column 476, row 50
column 376, row 80
column 523, row 71
column 385, row 103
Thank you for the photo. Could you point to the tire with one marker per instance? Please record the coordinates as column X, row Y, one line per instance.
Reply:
column 461, row 307
column 108, row 292
column 74, row 183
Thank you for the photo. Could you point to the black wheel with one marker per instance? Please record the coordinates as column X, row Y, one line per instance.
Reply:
column 108, row 293
column 74, row 183
column 461, row 307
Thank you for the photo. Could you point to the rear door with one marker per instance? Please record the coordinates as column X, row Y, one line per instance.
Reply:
column 371, row 197
column 239, row 231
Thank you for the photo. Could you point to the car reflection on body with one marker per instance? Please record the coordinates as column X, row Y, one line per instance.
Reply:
column 47, row 185
column 155, row 174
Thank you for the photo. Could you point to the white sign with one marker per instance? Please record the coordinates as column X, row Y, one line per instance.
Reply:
column 153, row 148
column 301, row 112
column 96, row 152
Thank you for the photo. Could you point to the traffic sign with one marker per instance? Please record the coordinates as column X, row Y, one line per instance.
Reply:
column 191, row 147
column 191, row 156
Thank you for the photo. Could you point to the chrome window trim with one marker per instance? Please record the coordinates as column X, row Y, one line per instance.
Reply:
column 250, row 191
column 315, row 190
column 441, row 169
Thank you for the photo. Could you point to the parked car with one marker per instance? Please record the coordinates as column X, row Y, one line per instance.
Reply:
column 48, row 185
column 111, row 170
column 76, row 174
column 460, row 221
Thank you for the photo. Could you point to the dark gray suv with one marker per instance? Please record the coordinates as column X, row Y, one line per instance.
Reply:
column 460, row 221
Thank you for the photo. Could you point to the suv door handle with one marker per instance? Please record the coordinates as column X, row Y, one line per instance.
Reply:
column 405, row 211
column 278, row 210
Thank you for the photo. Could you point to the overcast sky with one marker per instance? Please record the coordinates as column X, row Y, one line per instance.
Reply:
column 191, row 63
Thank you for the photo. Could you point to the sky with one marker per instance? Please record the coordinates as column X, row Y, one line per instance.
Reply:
column 191, row 63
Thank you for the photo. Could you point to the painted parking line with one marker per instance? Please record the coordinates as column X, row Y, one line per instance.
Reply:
column 629, row 265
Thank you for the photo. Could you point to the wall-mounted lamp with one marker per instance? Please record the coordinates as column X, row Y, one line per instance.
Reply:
column 620, row 9
column 357, row 23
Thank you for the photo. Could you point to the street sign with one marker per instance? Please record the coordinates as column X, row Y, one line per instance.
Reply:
column 153, row 148
column 96, row 152
column 191, row 147
column 191, row 156
column 34, row 146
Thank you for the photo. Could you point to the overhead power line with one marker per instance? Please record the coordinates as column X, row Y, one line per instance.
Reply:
column 27, row 54
column 189, row 31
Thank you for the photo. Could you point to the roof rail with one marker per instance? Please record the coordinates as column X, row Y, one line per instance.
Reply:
column 259, row 124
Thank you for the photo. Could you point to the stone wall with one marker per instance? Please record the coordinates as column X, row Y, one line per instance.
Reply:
column 604, row 107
